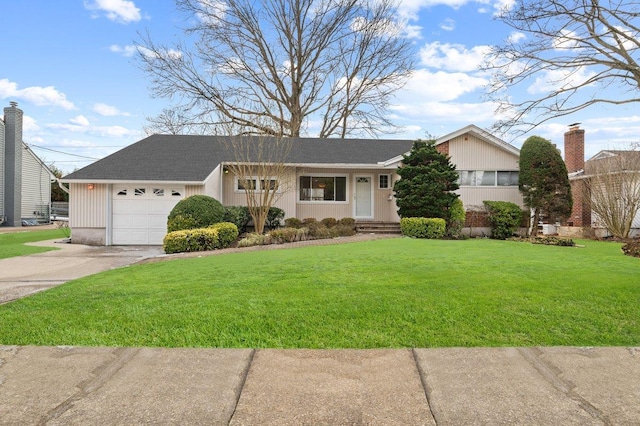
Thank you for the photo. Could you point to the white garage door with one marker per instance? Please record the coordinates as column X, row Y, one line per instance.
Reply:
column 140, row 213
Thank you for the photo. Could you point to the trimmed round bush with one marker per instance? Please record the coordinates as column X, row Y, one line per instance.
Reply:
column 348, row 221
column 423, row 227
column 292, row 222
column 227, row 233
column 329, row 222
column 197, row 211
column 218, row 236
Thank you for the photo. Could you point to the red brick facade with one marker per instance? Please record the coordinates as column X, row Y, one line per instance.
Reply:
column 443, row 148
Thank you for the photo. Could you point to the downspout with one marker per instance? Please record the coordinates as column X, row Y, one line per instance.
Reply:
column 64, row 188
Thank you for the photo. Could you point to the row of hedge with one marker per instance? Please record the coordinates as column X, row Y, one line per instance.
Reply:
column 302, row 230
column 201, row 211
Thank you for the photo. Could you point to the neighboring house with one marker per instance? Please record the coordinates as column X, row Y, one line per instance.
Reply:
column 125, row 198
column 582, row 218
column 25, row 181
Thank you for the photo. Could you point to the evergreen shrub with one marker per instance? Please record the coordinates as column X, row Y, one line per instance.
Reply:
column 238, row 215
column 504, row 218
column 197, row 211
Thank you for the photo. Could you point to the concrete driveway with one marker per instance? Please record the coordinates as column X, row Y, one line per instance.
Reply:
column 21, row 276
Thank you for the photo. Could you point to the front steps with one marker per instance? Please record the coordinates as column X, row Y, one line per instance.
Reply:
column 371, row 227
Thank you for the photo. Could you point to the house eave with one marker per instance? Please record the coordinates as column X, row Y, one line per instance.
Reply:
column 133, row 181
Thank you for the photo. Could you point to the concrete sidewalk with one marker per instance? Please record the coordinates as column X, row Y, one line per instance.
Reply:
column 128, row 386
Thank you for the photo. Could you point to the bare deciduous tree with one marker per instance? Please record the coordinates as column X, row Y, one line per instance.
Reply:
column 612, row 184
column 262, row 172
column 272, row 66
column 565, row 53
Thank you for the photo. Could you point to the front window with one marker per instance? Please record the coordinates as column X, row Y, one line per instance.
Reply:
column 487, row 178
column 257, row 185
column 323, row 188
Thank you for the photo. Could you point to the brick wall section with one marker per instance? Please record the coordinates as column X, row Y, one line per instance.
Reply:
column 574, row 149
column 443, row 148
column 581, row 212
column 477, row 219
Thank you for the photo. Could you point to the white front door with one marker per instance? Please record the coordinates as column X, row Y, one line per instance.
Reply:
column 363, row 206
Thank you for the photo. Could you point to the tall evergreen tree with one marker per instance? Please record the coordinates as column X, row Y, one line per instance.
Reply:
column 544, row 181
column 427, row 182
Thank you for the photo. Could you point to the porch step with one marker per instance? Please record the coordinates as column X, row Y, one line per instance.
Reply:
column 370, row 227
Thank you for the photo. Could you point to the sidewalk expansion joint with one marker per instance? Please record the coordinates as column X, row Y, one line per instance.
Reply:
column 240, row 388
column 425, row 386
column 102, row 374
column 552, row 374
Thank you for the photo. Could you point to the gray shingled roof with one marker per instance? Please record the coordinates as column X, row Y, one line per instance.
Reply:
column 186, row 158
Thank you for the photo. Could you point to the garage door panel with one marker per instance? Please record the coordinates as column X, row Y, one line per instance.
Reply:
column 157, row 221
column 142, row 219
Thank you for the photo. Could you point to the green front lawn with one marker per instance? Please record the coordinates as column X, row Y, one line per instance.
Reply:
column 386, row 293
column 12, row 243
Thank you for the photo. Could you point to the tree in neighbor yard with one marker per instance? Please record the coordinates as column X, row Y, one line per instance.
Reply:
column 564, row 53
column 261, row 171
column 544, row 182
column 427, row 182
column 271, row 66
column 613, row 188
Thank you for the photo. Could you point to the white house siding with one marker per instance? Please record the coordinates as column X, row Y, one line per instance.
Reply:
column 476, row 195
column 475, row 154
column 468, row 152
column 36, row 188
column 88, row 213
column 286, row 202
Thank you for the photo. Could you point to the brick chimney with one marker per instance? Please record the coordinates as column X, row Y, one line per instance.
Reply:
column 574, row 159
column 13, row 164
column 574, row 148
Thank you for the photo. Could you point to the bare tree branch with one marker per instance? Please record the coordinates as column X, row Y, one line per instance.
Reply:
column 612, row 184
column 572, row 51
column 272, row 66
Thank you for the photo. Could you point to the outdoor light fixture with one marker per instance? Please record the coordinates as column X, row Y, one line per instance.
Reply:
column 90, row 186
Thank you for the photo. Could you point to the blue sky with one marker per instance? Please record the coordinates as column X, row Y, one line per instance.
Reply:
column 69, row 65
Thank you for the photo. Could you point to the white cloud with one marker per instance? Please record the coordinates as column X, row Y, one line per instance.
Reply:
column 40, row 96
column 29, row 124
column 81, row 125
column 170, row 54
column 108, row 110
column 80, row 120
column 516, row 36
column 566, row 40
column 502, row 6
column 409, row 8
column 128, row 50
column 556, row 79
column 452, row 57
column 122, row 11
column 213, row 12
column 438, row 87
column 448, row 24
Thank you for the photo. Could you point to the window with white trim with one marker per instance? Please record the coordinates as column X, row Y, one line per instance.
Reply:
column 384, row 181
column 323, row 188
column 487, row 178
column 254, row 184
